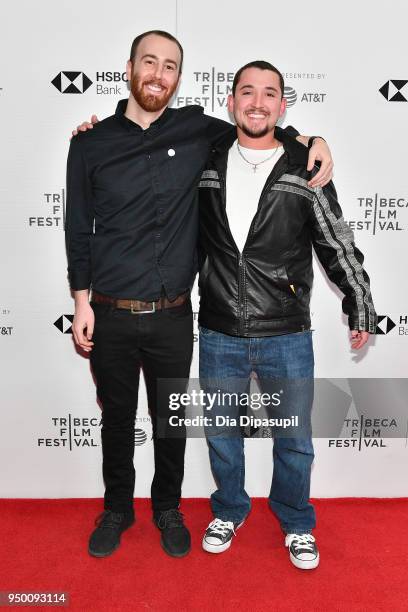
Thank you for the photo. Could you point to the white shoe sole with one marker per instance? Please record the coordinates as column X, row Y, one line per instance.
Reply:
column 305, row 565
column 219, row 548
column 216, row 548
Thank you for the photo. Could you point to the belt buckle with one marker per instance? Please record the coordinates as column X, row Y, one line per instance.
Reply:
column 133, row 311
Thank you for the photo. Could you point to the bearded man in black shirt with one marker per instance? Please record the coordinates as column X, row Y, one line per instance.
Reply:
column 131, row 232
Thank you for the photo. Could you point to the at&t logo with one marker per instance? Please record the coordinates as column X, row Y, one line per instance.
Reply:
column 291, row 96
column 140, row 437
column 308, row 96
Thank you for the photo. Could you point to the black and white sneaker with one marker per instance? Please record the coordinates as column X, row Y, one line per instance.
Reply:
column 302, row 550
column 219, row 534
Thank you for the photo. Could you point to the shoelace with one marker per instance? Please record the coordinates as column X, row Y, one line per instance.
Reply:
column 170, row 518
column 109, row 519
column 304, row 541
column 221, row 527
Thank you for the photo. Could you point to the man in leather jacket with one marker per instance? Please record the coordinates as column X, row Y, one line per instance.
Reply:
column 259, row 220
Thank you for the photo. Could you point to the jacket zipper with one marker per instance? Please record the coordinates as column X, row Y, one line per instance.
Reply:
column 241, row 265
column 241, row 294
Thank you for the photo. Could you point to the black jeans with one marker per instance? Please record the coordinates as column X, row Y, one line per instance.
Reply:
column 160, row 343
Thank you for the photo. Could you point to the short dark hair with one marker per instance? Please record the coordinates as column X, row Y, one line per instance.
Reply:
column 262, row 66
column 161, row 33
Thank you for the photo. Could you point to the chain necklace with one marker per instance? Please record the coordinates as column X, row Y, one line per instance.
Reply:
column 255, row 166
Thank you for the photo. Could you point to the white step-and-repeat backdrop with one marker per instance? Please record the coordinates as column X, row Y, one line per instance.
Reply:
column 346, row 78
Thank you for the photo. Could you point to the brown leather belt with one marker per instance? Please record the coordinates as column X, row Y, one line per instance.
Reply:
column 137, row 306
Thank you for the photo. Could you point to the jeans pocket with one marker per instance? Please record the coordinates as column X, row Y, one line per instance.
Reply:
column 204, row 331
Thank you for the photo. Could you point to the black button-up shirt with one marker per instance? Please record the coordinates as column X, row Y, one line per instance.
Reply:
column 132, row 214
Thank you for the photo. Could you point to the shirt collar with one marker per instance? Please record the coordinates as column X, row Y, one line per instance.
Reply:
column 129, row 124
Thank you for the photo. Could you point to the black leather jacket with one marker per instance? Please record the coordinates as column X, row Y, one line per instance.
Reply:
column 265, row 290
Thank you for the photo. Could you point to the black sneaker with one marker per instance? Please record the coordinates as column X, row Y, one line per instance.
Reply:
column 302, row 550
column 105, row 539
column 175, row 537
column 219, row 534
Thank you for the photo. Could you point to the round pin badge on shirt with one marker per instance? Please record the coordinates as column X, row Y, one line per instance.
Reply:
column 171, row 152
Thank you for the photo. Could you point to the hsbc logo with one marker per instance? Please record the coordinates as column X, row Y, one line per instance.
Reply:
column 71, row 82
column 384, row 325
column 395, row 90
column 76, row 82
column 64, row 323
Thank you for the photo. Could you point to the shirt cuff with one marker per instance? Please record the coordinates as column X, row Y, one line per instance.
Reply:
column 79, row 280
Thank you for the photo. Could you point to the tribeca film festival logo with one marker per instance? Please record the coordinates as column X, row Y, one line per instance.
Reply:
column 74, row 432
column 196, row 333
column 395, row 90
column 77, row 82
column 213, row 87
column 5, row 330
column 365, row 432
column 52, row 211
column 365, row 412
column 379, row 214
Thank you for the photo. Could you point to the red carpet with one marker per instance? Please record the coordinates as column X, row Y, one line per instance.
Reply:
column 363, row 547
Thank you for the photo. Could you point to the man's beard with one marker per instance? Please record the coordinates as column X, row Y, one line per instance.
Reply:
column 149, row 102
column 255, row 133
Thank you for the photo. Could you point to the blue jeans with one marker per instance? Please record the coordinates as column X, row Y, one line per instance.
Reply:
column 290, row 357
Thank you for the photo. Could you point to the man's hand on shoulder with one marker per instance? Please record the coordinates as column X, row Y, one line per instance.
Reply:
column 358, row 338
column 320, row 151
column 86, row 125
